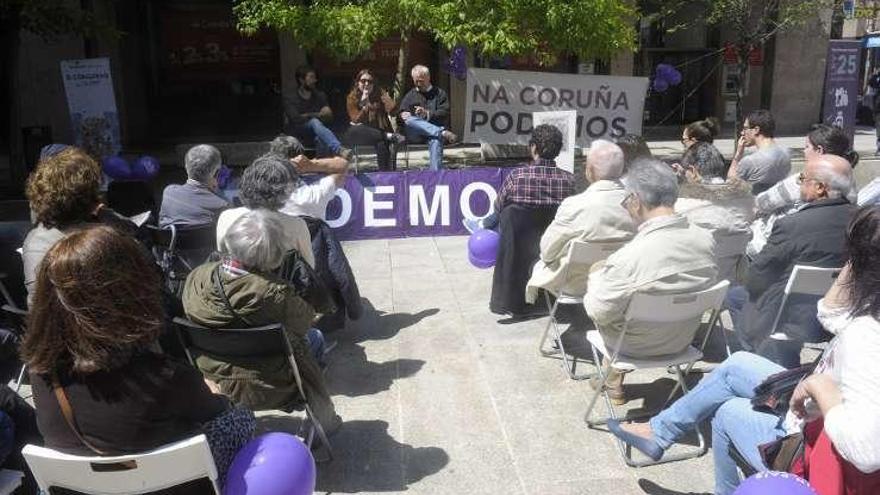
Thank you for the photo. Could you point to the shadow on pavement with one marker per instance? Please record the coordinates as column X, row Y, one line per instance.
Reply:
column 652, row 488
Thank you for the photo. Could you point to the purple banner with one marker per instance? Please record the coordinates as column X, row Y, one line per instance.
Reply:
column 386, row 205
column 842, row 84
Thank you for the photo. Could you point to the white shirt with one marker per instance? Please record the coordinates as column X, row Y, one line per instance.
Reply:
column 311, row 200
column 295, row 230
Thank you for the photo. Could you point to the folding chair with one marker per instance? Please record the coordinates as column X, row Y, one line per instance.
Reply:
column 178, row 250
column 268, row 340
column 18, row 318
column 581, row 254
column 5, row 292
column 807, row 280
column 645, row 308
column 164, row 467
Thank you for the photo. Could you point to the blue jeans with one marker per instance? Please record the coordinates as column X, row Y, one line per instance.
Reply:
column 315, row 341
column 725, row 396
column 735, row 302
column 784, row 352
column 325, row 141
column 416, row 128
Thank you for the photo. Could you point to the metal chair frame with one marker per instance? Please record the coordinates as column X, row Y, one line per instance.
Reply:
column 580, row 254
column 19, row 316
column 808, row 280
column 643, row 308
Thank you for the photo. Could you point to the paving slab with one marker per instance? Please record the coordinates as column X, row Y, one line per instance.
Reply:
column 438, row 397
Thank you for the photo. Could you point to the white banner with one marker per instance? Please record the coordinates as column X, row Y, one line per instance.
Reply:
column 92, row 105
column 566, row 122
column 500, row 104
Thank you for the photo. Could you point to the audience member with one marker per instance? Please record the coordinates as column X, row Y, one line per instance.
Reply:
column 766, row 166
column 723, row 207
column 701, row 131
column 424, row 111
column 268, row 183
column 308, row 113
column 100, row 384
column 368, row 109
column 64, row 194
column 594, row 215
column 634, row 148
column 842, row 396
column 537, row 183
column 813, row 236
column 196, row 201
column 309, row 199
column 668, row 255
column 870, row 194
column 244, row 290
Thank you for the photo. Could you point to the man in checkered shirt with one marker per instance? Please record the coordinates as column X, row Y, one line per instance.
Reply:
column 539, row 183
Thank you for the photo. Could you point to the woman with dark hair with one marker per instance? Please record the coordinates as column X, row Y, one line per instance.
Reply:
column 701, row 131
column 634, row 147
column 368, row 109
column 824, row 139
column 100, row 384
column 840, row 399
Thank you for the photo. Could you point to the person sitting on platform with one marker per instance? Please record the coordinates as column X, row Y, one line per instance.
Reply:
column 307, row 114
column 309, row 199
column 368, row 109
column 594, row 215
column 424, row 111
column 812, row 236
column 196, row 201
column 267, row 183
column 537, row 183
column 668, row 255
column 766, row 166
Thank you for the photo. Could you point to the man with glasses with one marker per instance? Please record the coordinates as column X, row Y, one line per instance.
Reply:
column 813, row 236
column 769, row 164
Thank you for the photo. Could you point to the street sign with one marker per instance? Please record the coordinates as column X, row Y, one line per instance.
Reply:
column 842, row 84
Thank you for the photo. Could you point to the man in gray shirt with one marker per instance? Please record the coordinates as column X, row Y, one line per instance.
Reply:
column 766, row 166
column 196, row 201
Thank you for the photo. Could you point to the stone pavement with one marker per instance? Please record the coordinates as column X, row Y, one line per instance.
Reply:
column 439, row 398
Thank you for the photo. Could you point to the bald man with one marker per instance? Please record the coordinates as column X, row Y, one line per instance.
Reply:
column 595, row 215
column 813, row 236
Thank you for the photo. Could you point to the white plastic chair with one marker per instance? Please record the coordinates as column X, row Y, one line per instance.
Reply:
column 158, row 469
column 581, row 255
column 807, row 280
column 645, row 308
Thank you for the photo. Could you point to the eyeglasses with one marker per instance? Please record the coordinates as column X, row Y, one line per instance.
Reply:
column 801, row 178
column 626, row 200
column 365, row 81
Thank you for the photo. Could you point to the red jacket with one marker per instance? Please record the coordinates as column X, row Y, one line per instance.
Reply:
column 827, row 472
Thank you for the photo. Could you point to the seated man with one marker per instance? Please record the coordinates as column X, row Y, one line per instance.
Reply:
column 668, row 255
column 766, row 166
column 307, row 112
column 813, row 236
column 424, row 111
column 594, row 215
column 309, row 199
column 195, row 202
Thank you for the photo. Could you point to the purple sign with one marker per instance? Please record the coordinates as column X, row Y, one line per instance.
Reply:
column 842, row 84
column 385, row 205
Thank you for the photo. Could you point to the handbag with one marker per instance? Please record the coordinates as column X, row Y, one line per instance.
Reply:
column 306, row 282
column 773, row 394
column 781, row 454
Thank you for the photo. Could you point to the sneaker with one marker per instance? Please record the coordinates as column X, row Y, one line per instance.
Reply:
column 472, row 225
column 346, row 153
column 449, row 137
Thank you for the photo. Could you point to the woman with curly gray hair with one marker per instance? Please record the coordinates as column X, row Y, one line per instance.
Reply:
column 267, row 183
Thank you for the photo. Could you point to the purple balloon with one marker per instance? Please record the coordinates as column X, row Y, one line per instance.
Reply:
column 272, row 464
column 660, row 85
column 145, row 168
column 116, row 168
column 483, row 248
column 774, row 483
column 224, row 177
column 673, row 77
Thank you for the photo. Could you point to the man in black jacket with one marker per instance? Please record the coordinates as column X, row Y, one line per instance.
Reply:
column 812, row 236
column 424, row 111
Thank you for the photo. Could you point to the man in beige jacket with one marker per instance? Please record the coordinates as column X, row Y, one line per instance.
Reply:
column 668, row 255
column 594, row 215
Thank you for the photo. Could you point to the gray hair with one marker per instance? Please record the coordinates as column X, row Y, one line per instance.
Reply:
column 838, row 180
column 256, row 240
column 605, row 159
column 420, row 69
column 286, row 146
column 653, row 182
column 266, row 183
column 202, row 162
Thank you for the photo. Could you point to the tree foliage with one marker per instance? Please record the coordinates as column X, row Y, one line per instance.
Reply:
column 50, row 18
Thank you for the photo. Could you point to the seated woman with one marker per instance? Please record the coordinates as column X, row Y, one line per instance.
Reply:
column 245, row 290
column 723, row 207
column 368, row 108
column 844, row 389
column 701, row 131
column 100, row 387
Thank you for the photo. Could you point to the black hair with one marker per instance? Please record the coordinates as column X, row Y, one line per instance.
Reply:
column 547, row 140
column 301, row 72
column 763, row 120
column 706, row 159
column 833, row 141
column 633, row 147
column 863, row 248
column 703, row 131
